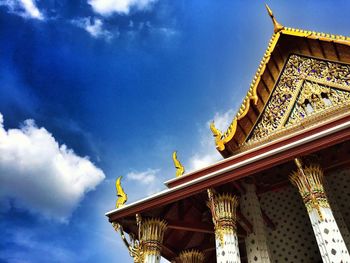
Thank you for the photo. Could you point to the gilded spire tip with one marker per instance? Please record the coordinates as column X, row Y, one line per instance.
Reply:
column 276, row 26
column 180, row 169
column 122, row 196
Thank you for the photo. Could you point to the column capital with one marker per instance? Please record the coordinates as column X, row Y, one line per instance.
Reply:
column 309, row 181
column 191, row 256
column 152, row 233
column 223, row 209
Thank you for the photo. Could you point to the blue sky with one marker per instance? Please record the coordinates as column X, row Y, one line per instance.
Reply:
column 91, row 90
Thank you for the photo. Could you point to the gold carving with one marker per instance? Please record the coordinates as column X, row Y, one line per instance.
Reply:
column 306, row 87
column 309, row 181
column 221, row 140
column 191, row 256
column 134, row 245
column 179, row 167
column 150, row 237
column 276, row 26
column 122, row 196
column 152, row 233
column 223, row 209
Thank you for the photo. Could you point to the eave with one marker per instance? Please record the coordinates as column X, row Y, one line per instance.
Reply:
column 300, row 143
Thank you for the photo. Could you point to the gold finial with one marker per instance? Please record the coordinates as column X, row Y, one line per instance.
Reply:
column 217, row 134
column 122, row 196
column 179, row 167
column 218, row 137
column 276, row 26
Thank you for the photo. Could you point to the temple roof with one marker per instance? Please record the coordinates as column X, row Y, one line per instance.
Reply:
column 284, row 42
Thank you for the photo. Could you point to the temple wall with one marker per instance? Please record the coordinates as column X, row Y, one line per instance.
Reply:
column 293, row 239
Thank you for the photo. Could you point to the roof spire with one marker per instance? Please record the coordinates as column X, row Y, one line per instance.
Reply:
column 276, row 26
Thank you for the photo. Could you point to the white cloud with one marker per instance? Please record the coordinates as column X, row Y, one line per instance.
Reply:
column 146, row 178
column 24, row 8
column 108, row 7
column 40, row 175
column 208, row 154
column 31, row 9
column 93, row 27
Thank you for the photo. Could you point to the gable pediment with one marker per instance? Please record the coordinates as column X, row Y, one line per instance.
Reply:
column 307, row 89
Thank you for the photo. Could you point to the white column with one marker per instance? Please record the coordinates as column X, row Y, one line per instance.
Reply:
column 152, row 233
column 223, row 208
column 337, row 214
column 256, row 242
column 191, row 256
column 309, row 181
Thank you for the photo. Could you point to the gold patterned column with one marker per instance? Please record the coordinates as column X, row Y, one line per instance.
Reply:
column 223, row 208
column 152, row 233
column 191, row 256
column 309, row 181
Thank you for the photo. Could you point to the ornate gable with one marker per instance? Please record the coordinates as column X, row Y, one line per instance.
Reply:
column 286, row 70
column 307, row 88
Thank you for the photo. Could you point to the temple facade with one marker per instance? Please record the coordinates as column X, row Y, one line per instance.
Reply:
column 282, row 191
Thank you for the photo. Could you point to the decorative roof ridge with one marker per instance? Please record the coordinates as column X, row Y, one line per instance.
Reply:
column 222, row 138
column 316, row 35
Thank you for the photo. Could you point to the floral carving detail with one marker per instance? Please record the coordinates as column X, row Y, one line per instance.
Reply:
column 306, row 87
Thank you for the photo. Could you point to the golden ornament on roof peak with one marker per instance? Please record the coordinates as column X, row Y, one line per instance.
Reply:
column 122, row 196
column 276, row 26
column 180, row 169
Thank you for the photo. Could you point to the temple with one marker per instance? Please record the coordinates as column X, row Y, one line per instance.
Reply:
column 282, row 191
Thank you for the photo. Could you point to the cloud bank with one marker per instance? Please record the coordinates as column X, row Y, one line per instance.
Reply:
column 40, row 175
column 94, row 27
column 24, row 8
column 108, row 7
column 147, row 180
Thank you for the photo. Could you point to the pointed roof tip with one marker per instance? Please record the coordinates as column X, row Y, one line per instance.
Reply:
column 269, row 10
column 276, row 26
